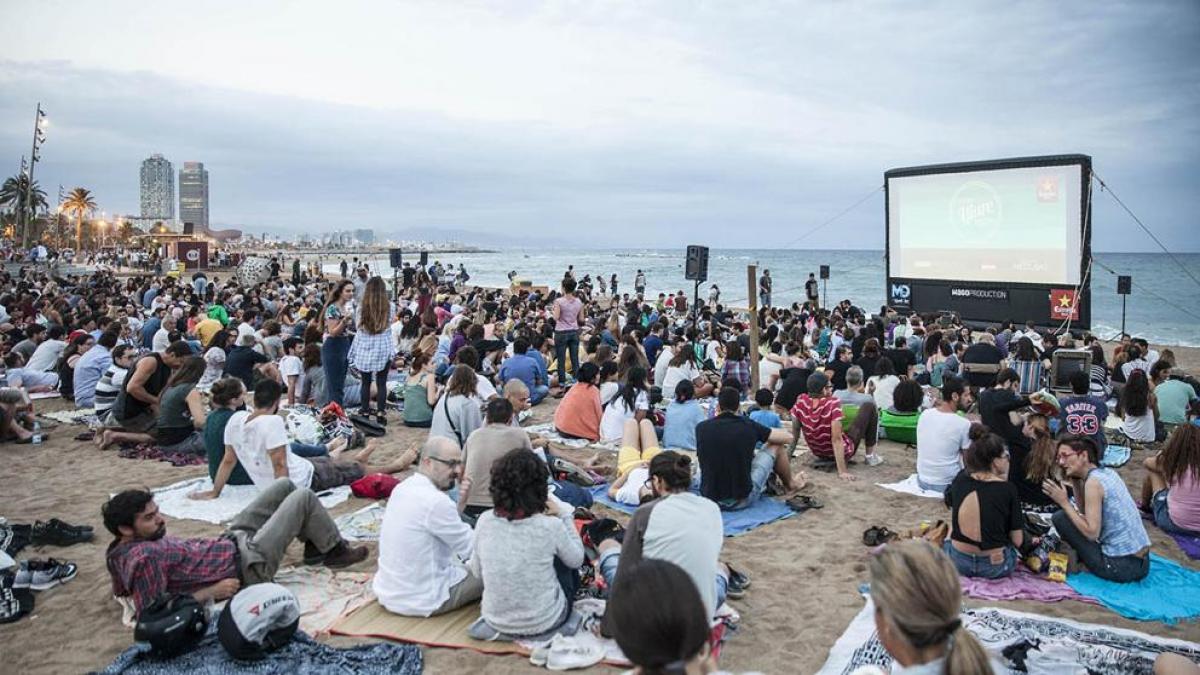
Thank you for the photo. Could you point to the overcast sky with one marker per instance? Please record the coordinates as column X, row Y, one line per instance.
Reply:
column 639, row 124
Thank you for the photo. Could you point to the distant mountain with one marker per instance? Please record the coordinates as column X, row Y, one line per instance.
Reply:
column 489, row 240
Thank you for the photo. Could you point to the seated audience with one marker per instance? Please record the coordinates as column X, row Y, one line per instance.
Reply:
column 228, row 395
column 656, row 636
column 818, row 414
column 525, row 368
column 1083, row 413
column 942, row 435
column 457, row 413
column 632, row 402
column 639, row 445
column 1172, row 484
column 986, row 523
column 1136, row 408
column 1175, row 397
column 1033, row 462
column 683, row 414
column 484, row 446
column 882, row 384
column 134, row 414
column 579, row 413
column 420, row 392
column 733, row 473
column 91, row 368
column 181, row 411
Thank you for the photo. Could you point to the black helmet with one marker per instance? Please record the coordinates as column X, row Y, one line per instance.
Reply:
column 171, row 625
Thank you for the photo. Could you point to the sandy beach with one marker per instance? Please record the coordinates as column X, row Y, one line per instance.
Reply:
column 806, row 570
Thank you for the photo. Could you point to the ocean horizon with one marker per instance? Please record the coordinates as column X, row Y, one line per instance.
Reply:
column 1164, row 307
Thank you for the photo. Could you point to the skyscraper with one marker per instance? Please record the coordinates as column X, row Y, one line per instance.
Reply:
column 158, row 188
column 193, row 194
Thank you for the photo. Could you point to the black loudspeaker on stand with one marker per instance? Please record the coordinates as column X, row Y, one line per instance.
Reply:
column 824, row 271
column 1124, row 288
column 424, row 258
column 824, row 274
column 696, row 268
column 394, row 255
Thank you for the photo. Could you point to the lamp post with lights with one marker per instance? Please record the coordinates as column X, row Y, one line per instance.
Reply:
column 39, row 137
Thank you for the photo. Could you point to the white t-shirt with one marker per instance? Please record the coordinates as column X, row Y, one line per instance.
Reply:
column 677, row 374
column 629, row 492
column 292, row 365
column 885, row 389
column 940, row 438
column 161, row 340
column 612, row 422
column 252, row 441
column 484, row 389
column 607, row 391
column 46, row 355
column 767, row 368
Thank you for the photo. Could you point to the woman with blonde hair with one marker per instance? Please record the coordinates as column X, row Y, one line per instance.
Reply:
column 374, row 347
column 917, row 599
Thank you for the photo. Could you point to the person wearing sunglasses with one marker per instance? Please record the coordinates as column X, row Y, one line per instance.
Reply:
column 1106, row 530
column 423, row 543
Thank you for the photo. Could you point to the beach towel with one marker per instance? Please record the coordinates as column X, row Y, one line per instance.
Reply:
column 1063, row 645
column 548, row 432
column 148, row 451
column 1021, row 585
column 43, row 395
column 173, row 500
column 1189, row 544
column 324, row 596
column 1171, row 592
column 909, row 486
column 302, row 656
column 80, row 416
column 1116, row 456
column 765, row 510
column 450, row 630
column 363, row 524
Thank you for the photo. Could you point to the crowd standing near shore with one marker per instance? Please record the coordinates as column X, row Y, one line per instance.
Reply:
column 285, row 381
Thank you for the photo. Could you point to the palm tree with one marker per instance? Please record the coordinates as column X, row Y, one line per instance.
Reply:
column 79, row 202
column 16, row 190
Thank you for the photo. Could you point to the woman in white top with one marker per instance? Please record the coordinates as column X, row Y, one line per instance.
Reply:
column 882, row 385
column 457, row 412
column 631, row 402
column 683, row 367
column 1137, row 408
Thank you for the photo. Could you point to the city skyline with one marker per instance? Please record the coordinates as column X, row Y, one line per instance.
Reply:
column 643, row 124
column 193, row 195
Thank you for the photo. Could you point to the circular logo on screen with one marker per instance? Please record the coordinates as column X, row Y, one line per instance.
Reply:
column 193, row 255
column 976, row 210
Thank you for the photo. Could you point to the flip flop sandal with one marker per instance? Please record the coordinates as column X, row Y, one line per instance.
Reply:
column 803, row 503
column 876, row 535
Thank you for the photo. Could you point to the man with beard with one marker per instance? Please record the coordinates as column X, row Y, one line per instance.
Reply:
column 942, row 435
column 423, row 541
column 145, row 563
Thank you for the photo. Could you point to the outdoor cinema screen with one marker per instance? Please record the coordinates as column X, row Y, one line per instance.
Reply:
column 980, row 224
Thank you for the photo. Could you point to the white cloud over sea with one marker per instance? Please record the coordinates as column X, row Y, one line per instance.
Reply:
column 728, row 123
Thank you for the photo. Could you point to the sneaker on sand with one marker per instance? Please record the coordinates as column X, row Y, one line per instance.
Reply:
column 40, row 575
column 569, row 654
column 58, row 533
column 344, row 555
column 874, row 460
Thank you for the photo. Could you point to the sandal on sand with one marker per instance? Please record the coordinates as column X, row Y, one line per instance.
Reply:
column 876, row 535
column 801, row 503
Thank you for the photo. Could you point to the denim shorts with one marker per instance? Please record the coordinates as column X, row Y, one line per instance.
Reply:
column 761, row 468
column 609, row 560
column 1162, row 517
column 970, row 565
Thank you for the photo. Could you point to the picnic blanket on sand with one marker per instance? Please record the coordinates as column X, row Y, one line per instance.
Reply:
column 148, row 451
column 1189, row 544
column 450, row 630
column 1170, row 592
column 765, row 510
column 1022, row 585
column 909, row 486
column 1116, row 456
column 324, row 596
column 363, row 524
column 303, row 655
column 78, row 416
column 173, row 500
column 1063, row 645
column 548, row 432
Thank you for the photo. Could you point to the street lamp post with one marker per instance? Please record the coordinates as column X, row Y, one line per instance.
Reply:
column 39, row 137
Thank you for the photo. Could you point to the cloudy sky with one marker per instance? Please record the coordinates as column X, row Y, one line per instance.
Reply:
column 641, row 123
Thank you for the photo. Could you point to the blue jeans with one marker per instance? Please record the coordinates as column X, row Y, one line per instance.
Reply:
column 970, row 565
column 1119, row 568
column 572, row 494
column 538, row 393
column 200, row 285
column 566, row 341
column 1162, row 517
column 608, row 562
column 334, row 360
column 761, row 468
column 305, row 450
column 932, row 486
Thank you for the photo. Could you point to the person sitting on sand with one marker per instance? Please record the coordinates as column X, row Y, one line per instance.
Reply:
column 579, row 413
column 734, row 474
column 17, row 375
column 918, row 605
column 1172, row 484
column 258, row 441
column 423, row 541
column 986, row 522
column 639, row 445
column 527, row 552
column 631, row 402
column 181, row 413
column 683, row 414
column 1137, row 407
column 942, row 435
column 656, row 636
column 135, row 413
column 1106, row 530
column 818, row 414
column 456, row 414
column 484, row 446
column 144, row 563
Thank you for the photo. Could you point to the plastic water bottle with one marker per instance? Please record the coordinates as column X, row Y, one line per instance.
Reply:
column 37, row 433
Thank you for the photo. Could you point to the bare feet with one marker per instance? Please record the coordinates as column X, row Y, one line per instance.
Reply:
column 799, row 482
column 105, row 438
column 364, row 455
column 410, row 455
column 336, row 446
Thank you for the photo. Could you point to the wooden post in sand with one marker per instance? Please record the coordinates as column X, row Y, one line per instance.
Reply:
column 752, row 290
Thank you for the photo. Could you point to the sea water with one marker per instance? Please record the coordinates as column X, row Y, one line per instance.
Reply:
column 1164, row 307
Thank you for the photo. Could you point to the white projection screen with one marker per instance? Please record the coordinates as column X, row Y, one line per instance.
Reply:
column 1019, row 225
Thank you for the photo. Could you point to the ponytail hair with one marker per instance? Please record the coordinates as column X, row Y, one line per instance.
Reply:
column 917, row 592
column 1041, row 462
column 673, row 468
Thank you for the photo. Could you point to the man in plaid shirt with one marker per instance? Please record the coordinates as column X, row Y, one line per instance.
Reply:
column 145, row 563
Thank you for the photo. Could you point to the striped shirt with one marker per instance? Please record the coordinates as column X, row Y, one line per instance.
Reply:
column 1121, row 528
column 817, row 416
column 108, row 387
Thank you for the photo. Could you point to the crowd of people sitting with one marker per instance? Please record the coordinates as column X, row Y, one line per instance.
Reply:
column 209, row 366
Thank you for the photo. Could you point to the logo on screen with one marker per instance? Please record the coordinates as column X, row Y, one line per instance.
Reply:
column 193, row 255
column 901, row 294
column 1047, row 189
column 976, row 209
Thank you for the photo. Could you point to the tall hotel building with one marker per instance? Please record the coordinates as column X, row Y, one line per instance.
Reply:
column 193, row 195
column 158, row 188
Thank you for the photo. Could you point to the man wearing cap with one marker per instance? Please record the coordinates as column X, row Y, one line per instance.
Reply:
column 144, row 562
column 423, row 542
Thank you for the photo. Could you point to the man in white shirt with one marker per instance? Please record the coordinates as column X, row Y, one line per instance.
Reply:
column 292, row 369
column 423, row 543
column 663, row 362
column 259, row 441
column 942, row 435
column 47, row 353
